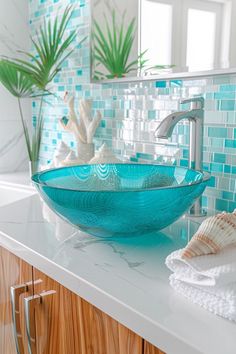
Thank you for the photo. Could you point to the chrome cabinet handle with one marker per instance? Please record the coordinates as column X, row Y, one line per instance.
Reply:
column 31, row 303
column 16, row 291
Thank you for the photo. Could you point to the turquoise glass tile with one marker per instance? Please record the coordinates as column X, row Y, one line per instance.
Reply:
column 222, row 205
column 212, row 182
column 161, row 84
column 224, row 95
column 230, row 143
column 226, row 105
column 219, row 158
column 185, row 153
column 227, row 87
column 206, row 166
column 216, row 167
column 109, row 113
column 227, row 195
column 204, row 201
column 217, row 143
column 232, row 206
column 103, row 124
column 78, row 88
column 184, row 163
column 76, row 13
column 141, row 155
column 217, row 132
column 176, row 83
column 227, row 169
column 133, row 159
column 151, row 114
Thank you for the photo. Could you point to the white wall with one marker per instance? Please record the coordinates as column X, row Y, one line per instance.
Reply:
column 14, row 35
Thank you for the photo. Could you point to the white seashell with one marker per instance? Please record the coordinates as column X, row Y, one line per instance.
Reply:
column 214, row 233
column 72, row 160
column 104, row 155
column 60, row 154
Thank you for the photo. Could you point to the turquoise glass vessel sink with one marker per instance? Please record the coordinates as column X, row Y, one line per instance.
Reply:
column 120, row 200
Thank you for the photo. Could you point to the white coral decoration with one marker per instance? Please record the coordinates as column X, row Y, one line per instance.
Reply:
column 85, row 127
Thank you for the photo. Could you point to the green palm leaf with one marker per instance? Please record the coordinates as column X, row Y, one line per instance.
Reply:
column 49, row 48
column 16, row 82
column 112, row 47
column 30, row 77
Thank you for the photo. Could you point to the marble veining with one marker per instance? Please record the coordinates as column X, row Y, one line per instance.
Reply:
column 126, row 278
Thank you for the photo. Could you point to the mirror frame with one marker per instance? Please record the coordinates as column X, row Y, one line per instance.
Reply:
column 156, row 77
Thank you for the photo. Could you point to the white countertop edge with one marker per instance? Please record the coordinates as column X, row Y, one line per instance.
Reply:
column 140, row 324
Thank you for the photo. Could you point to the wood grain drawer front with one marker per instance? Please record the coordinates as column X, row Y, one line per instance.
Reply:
column 53, row 318
column 67, row 324
column 150, row 349
column 13, row 271
column 98, row 333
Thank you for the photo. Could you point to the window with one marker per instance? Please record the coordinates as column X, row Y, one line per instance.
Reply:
column 156, row 33
column 201, row 31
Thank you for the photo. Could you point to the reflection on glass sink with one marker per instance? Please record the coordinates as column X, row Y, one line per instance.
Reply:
column 120, row 200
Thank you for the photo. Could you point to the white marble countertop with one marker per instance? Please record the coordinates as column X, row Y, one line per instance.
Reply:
column 127, row 279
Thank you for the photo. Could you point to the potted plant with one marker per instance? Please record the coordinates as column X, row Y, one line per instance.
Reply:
column 31, row 77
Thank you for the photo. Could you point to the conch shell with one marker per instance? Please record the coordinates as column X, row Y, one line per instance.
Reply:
column 104, row 155
column 72, row 160
column 215, row 233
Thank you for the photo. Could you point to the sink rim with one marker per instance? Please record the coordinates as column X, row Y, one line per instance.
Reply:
column 205, row 176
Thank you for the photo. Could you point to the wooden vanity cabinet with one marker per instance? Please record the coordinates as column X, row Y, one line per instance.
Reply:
column 57, row 320
column 74, row 326
column 14, row 275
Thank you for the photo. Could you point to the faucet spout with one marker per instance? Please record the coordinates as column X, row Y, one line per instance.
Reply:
column 166, row 127
column 195, row 118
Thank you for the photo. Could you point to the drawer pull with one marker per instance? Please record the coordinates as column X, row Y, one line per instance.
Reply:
column 16, row 291
column 31, row 303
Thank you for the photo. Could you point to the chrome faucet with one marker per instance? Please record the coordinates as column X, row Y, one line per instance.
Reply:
column 195, row 116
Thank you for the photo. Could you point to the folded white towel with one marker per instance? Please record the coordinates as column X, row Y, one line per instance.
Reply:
column 209, row 280
column 219, row 300
column 207, row 270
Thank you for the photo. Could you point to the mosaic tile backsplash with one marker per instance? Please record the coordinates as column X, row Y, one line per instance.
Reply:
column 132, row 111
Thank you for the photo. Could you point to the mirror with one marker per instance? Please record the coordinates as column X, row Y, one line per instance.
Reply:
column 156, row 39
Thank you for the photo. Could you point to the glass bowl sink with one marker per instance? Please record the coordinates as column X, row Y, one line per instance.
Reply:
column 116, row 200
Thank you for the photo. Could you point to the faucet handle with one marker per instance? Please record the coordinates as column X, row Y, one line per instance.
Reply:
column 196, row 102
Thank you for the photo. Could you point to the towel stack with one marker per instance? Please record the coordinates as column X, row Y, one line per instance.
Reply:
column 208, row 280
